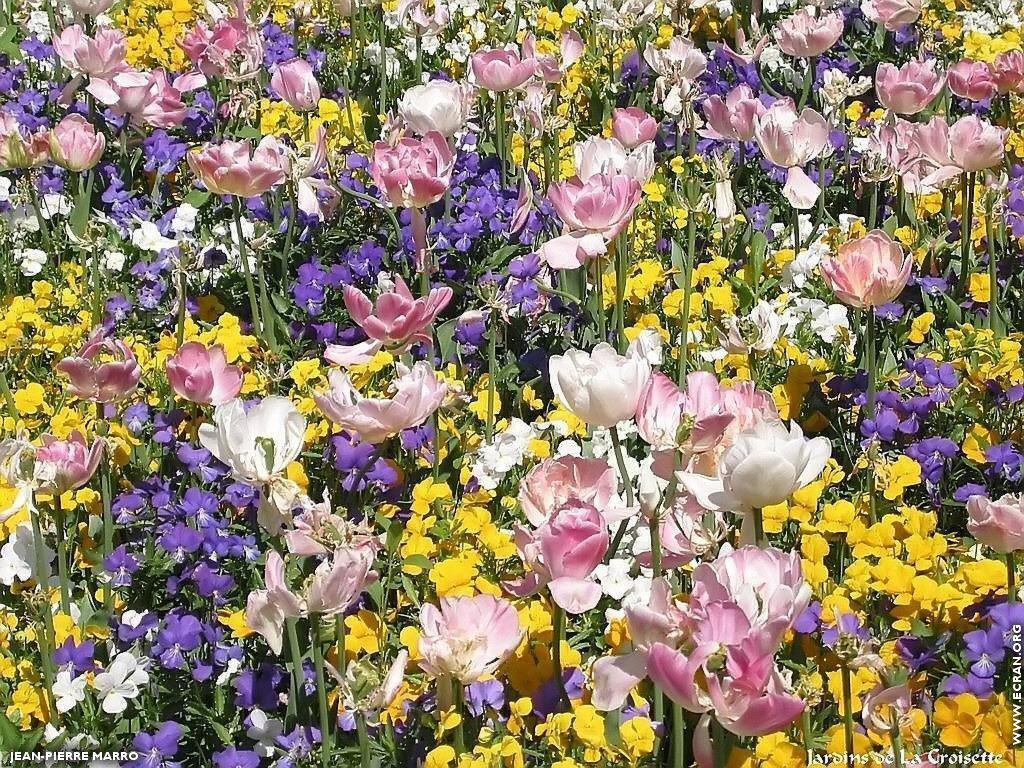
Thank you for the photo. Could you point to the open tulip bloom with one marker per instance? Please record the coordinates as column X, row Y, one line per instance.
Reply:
column 471, row 383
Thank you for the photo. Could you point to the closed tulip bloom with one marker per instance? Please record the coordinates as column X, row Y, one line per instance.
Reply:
column 764, row 466
column 414, row 172
column 600, row 156
column 600, row 387
column 104, row 370
column 999, row 523
column 892, row 14
column 258, row 444
column 869, row 271
column 633, row 127
column 296, row 84
column 792, row 140
column 908, row 89
column 467, row 638
column 972, row 80
column 102, row 55
column 439, row 105
column 418, row 393
column 555, row 482
column 235, row 168
column 734, row 116
column 603, row 204
column 573, row 544
column 395, row 321
column 1008, row 71
column 75, row 145
column 805, row 34
column 18, row 148
column 500, row 70
column 65, row 465
column 202, row 375
column 92, row 8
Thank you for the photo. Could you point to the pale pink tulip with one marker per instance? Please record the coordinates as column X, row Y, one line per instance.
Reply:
column 65, row 465
column 201, row 374
column 467, row 638
column 166, row 107
column 337, row 583
column 414, row 172
column 691, row 420
column 75, row 145
column 438, row 105
column 910, row 88
column 395, row 322
column 101, row 55
column 733, row 118
column 972, row 80
column 92, row 8
column 884, row 708
column 792, row 140
column 18, row 148
column 892, row 14
column 267, row 609
column 573, row 544
column 232, row 46
column 999, row 523
column 869, row 271
column 633, row 127
column 417, row 395
column 805, row 34
column 555, row 482
column 601, row 387
column 295, row 83
column 93, row 377
column 234, row 168
column 1008, row 71
column 749, row 407
column 968, row 146
column 603, row 204
column 600, row 156
column 500, row 70
column 126, row 92
column 551, row 68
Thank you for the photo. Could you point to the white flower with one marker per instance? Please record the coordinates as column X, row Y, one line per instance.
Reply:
column 113, row 260
column 762, row 467
column 120, row 682
column 264, row 730
column 439, row 105
column 506, row 451
column 148, row 238
column 54, row 204
column 69, row 691
column 18, row 557
column 32, row 260
column 184, row 218
column 600, row 387
column 614, row 577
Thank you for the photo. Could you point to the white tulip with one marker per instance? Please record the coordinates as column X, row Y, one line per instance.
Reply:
column 259, row 445
column 602, row 387
column 764, row 466
column 439, row 105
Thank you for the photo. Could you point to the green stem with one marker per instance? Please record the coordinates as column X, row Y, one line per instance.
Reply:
column 48, row 636
column 678, row 737
column 458, row 698
column 558, row 621
column 805, row 726
column 250, row 287
column 620, row 459
column 621, row 266
column 298, row 675
column 179, row 335
column 321, row 691
column 5, row 391
column 492, row 364
column 758, row 515
column 966, row 220
column 684, row 341
column 720, row 744
column 844, row 672
column 364, row 741
column 897, row 748
column 871, row 354
column 62, row 554
column 1011, row 578
column 993, row 271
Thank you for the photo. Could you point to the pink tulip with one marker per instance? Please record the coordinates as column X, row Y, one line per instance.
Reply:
column 418, row 393
column 997, row 524
column 555, row 482
column 500, row 70
column 67, row 464
column 805, row 34
column 633, row 127
column 909, row 89
column 551, row 68
column 892, row 14
column 896, row 146
column 233, row 168
column 166, row 108
column 673, row 420
column 75, row 145
column 267, row 609
column 337, row 583
column 869, row 271
column 467, row 638
column 749, row 407
column 415, row 172
column 1008, row 71
column 573, row 543
column 201, row 374
column 92, row 8
column 127, row 92
column 603, row 204
column 884, row 708
column 686, row 532
column 792, row 140
column 18, row 148
column 972, row 80
column 395, row 322
column 766, row 583
column 295, row 82
column 99, row 56
column 656, row 622
column 968, row 146
column 233, row 45
column 600, row 156
column 733, row 117
column 95, row 378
